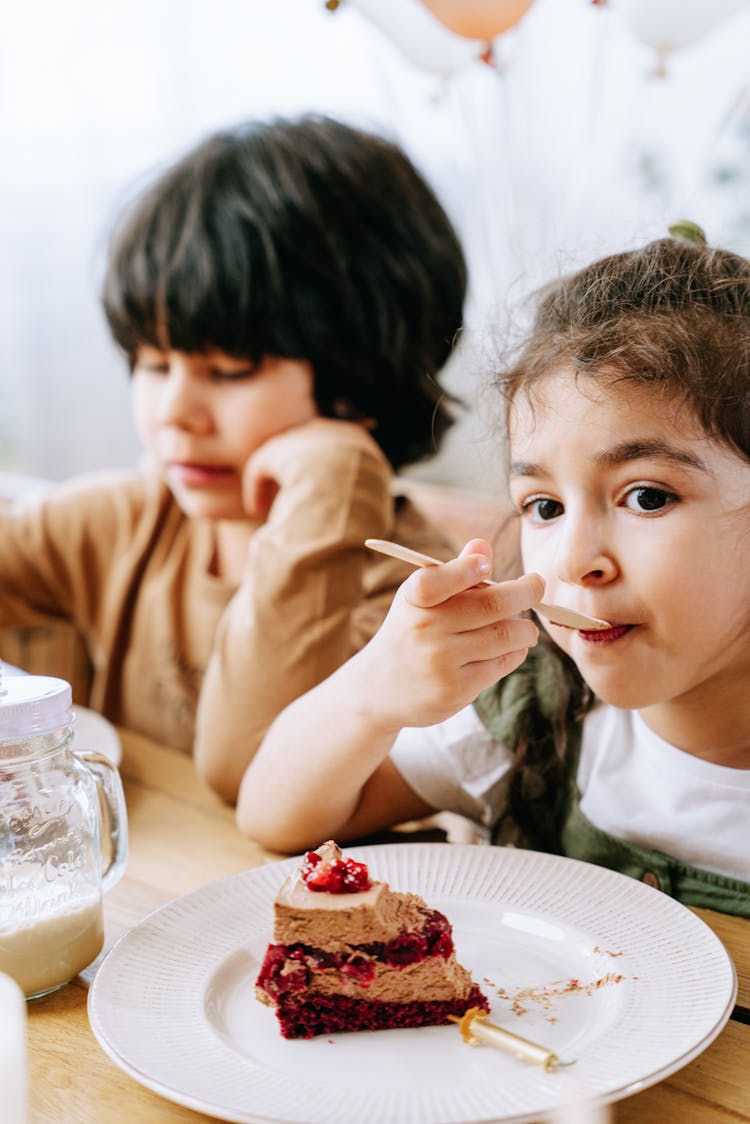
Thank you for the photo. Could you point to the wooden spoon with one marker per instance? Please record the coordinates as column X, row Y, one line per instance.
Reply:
column 557, row 614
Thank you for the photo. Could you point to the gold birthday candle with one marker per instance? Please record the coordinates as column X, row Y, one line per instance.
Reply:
column 477, row 1030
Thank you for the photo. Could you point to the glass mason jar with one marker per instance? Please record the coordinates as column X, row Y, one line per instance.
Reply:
column 63, row 837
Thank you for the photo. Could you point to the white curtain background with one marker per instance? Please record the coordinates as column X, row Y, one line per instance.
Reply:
column 569, row 147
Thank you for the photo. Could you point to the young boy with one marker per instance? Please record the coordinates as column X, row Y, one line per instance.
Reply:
column 285, row 296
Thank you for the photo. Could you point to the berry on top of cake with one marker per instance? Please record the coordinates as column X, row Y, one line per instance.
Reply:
column 349, row 953
column 325, row 870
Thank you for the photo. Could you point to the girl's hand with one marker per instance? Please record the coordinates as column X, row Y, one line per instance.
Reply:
column 445, row 639
column 322, row 771
column 272, row 464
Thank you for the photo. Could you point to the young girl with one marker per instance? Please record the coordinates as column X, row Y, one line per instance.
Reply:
column 628, row 416
column 285, row 296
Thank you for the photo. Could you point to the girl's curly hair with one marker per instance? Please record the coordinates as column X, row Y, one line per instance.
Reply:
column 674, row 315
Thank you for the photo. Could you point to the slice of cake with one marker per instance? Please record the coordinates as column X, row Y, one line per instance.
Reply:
column 352, row 954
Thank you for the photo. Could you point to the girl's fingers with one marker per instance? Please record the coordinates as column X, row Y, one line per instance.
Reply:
column 490, row 605
column 477, row 546
column 434, row 585
column 454, row 654
column 489, row 672
column 496, row 640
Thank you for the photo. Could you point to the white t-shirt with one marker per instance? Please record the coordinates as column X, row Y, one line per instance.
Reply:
column 633, row 784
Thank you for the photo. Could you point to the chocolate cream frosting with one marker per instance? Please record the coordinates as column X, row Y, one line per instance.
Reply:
column 336, row 922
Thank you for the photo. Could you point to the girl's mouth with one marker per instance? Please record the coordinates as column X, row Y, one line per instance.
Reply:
column 606, row 635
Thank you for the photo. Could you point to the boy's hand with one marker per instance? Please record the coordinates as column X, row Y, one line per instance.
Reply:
column 271, row 465
column 445, row 639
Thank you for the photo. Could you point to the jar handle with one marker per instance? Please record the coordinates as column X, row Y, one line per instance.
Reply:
column 113, row 817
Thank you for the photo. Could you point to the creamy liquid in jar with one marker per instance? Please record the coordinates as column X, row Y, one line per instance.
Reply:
column 52, row 949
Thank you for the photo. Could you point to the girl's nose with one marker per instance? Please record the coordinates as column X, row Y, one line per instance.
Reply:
column 182, row 403
column 585, row 556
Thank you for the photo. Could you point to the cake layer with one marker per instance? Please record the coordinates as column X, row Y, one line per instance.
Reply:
column 300, row 1018
column 288, row 971
column 332, row 921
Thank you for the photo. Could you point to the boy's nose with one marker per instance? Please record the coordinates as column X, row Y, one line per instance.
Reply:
column 182, row 403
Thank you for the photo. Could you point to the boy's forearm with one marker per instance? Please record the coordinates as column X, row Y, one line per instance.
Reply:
column 293, row 620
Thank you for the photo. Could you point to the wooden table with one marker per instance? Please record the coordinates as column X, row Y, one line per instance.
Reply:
column 182, row 837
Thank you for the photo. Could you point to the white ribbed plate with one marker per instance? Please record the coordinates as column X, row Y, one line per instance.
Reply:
column 173, row 1003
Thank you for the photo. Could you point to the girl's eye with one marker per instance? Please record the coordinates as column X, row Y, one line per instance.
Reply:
column 541, row 509
column 645, row 499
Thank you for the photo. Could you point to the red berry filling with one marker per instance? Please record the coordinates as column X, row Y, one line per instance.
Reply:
column 342, row 876
column 287, row 968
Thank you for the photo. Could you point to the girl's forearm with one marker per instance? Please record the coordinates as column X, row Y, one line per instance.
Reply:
column 309, row 776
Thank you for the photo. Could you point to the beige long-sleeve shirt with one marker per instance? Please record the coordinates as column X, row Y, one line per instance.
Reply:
column 187, row 657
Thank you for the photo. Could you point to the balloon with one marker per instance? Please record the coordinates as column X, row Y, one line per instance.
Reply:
column 478, row 19
column 419, row 36
column 667, row 24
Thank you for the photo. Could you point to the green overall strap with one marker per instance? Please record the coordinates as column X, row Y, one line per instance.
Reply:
column 691, row 885
column 522, row 706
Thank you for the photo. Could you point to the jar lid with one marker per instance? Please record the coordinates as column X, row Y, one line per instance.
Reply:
column 34, row 704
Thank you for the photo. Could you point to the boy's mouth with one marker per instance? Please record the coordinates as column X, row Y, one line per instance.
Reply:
column 192, row 475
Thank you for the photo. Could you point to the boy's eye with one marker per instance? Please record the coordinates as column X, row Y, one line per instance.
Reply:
column 541, row 508
column 222, row 375
column 151, row 360
column 645, row 499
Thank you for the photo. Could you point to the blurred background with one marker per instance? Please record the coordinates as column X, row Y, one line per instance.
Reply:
column 553, row 131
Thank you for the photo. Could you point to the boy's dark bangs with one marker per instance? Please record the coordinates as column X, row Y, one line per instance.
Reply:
column 199, row 304
column 179, row 281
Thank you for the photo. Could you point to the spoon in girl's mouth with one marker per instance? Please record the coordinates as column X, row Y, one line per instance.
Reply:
column 557, row 614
